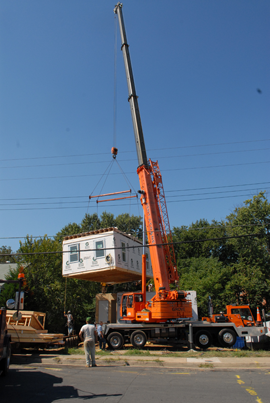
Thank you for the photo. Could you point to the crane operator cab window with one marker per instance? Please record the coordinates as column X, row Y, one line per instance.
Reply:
column 130, row 301
column 127, row 302
column 243, row 312
column 138, row 298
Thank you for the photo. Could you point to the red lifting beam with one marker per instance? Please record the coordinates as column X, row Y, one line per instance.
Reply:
column 111, row 194
column 118, row 198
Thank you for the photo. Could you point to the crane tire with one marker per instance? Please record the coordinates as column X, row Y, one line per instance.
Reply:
column 227, row 337
column 203, row 339
column 115, row 341
column 138, row 339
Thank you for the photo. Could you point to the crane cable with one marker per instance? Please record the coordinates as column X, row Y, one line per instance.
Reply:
column 115, row 83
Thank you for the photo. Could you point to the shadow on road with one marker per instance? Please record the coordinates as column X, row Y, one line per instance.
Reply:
column 32, row 385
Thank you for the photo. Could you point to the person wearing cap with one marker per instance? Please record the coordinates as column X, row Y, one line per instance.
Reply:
column 101, row 338
column 88, row 335
column 69, row 322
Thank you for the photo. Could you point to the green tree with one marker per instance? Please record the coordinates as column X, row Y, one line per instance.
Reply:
column 130, row 224
column 90, row 223
column 7, row 251
column 208, row 277
column 47, row 291
column 241, row 247
column 251, row 268
column 9, row 290
column 107, row 220
column 70, row 229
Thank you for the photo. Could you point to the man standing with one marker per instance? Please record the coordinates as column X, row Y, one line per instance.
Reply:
column 101, row 339
column 88, row 335
column 69, row 322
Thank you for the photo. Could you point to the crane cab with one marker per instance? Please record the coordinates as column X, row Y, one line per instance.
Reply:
column 131, row 304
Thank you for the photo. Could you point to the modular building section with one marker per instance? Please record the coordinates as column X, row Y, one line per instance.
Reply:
column 106, row 255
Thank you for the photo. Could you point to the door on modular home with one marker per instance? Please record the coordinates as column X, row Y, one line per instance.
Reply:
column 103, row 311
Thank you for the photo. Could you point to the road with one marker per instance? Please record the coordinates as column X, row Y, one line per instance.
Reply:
column 26, row 384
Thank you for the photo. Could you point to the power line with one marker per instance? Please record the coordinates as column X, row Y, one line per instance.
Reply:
column 139, row 246
column 168, row 201
column 133, row 173
column 133, row 151
column 167, row 191
column 222, row 227
column 117, row 205
column 131, row 159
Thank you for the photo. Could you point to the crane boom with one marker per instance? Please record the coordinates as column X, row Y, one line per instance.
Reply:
column 133, row 99
column 166, row 304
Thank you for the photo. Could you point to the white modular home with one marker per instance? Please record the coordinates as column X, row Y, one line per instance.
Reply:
column 105, row 255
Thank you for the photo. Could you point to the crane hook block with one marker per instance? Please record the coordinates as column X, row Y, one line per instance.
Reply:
column 114, row 152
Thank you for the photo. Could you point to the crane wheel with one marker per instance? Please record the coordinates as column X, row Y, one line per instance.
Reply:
column 115, row 340
column 138, row 339
column 227, row 337
column 203, row 339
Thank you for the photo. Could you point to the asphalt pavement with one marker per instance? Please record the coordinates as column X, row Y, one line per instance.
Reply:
column 117, row 384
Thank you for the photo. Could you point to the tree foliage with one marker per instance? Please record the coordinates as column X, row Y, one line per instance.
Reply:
column 228, row 260
column 124, row 222
column 46, row 290
column 238, row 249
column 7, row 251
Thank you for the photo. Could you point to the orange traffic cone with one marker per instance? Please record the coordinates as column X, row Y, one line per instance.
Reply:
column 259, row 319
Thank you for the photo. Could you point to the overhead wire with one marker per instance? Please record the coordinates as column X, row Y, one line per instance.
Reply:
column 141, row 246
column 131, row 173
column 225, row 226
column 132, row 159
column 132, row 151
column 71, row 203
column 167, row 191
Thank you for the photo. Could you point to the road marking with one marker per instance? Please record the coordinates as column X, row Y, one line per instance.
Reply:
column 250, row 390
column 180, row 373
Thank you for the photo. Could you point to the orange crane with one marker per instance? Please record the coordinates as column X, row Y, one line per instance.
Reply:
column 168, row 315
column 167, row 304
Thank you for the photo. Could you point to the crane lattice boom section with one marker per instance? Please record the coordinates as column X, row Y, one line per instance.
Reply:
column 164, row 222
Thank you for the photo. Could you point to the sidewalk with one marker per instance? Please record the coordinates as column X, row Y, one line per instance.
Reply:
column 120, row 360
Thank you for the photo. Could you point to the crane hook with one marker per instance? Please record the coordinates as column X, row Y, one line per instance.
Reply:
column 114, row 152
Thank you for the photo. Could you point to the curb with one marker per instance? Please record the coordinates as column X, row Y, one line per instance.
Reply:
column 216, row 363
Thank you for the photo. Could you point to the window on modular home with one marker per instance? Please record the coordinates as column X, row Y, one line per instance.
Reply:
column 123, row 251
column 100, row 252
column 74, row 255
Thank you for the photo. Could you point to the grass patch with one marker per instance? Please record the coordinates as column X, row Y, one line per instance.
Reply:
column 138, row 352
column 221, row 353
column 74, row 350
column 206, row 365
column 103, row 352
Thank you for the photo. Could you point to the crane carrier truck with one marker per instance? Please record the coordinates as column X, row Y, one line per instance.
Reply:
column 168, row 314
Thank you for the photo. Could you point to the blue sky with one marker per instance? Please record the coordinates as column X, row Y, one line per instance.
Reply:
column 197, row 65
